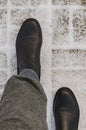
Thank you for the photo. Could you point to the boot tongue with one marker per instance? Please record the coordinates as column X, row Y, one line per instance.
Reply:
column 30, row 45
column 67, row 121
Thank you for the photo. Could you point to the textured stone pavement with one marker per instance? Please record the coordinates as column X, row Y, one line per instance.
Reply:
column 63, row 54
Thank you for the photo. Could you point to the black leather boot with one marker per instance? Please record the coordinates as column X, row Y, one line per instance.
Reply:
column 66, row 110
column 28, row 46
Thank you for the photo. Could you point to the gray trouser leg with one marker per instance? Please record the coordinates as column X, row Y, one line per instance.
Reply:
column 23, row 105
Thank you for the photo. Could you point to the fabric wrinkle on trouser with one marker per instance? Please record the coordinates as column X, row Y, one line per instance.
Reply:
column 23, row 105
